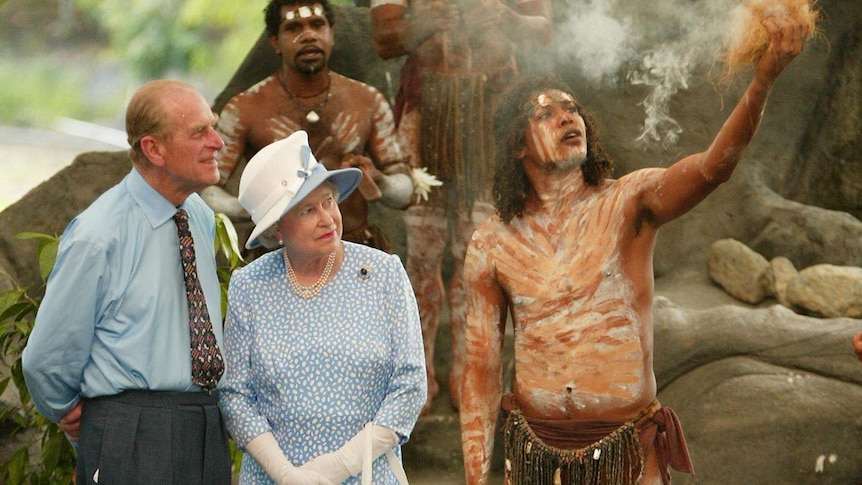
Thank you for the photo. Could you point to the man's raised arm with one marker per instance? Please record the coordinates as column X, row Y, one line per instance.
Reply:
column 690, row 180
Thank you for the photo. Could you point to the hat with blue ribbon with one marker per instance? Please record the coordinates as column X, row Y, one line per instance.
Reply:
column 280, row 175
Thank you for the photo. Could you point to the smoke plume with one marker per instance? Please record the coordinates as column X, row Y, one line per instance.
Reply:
column 657, row 44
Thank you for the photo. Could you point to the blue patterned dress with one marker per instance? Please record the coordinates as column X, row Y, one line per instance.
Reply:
column 314, row 371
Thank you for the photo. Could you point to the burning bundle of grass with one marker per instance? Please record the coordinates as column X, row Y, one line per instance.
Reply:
column 748, row 39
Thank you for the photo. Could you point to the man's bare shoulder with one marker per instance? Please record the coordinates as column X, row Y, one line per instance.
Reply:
column 259, row 94
column 493, row 230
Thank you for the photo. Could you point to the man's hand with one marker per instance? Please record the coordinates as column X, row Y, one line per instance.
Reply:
column 370, row 175
column 71, row 422
column 362, row 163
column 786, row 39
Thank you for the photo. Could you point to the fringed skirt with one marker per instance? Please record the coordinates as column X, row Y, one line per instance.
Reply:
column 552, row 452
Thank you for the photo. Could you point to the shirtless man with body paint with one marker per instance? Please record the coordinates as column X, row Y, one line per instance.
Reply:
column 569, row 253
column 349, row 123
column 461, row 56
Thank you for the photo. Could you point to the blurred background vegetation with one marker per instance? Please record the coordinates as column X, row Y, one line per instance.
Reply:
column 68, row 68
column 82, row 59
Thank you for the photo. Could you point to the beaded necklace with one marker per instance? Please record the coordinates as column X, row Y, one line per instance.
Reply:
column 308, row 291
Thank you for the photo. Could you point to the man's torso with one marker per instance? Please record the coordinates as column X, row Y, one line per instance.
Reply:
column 353, row 119
column 583, row 338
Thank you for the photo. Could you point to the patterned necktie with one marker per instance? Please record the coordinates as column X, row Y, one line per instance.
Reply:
column 207, row 363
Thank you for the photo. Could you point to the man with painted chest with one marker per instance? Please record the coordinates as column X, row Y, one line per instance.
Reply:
column 569, row 255
column 349, row 123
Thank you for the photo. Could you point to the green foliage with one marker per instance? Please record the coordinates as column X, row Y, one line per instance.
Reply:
column 56, row 464
column 160, row 37
column 228, row 251
column 85, row 67
column 230, row 257
column 34, row 94
column 17, row 315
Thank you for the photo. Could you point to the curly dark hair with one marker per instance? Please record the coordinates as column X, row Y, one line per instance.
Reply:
column 511, row 185
column 272, row 13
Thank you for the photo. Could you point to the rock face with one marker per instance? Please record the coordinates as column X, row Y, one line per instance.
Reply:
column 765, row 395
column 829, row 172
column 51, row 205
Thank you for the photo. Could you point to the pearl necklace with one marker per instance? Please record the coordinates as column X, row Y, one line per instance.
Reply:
column 308, row 291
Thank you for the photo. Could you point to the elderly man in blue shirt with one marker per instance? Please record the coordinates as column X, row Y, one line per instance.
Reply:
column 124, row 355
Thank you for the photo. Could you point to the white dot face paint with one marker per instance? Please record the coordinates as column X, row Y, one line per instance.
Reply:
column 543, row 101
column 313, row 34
column 304, row 12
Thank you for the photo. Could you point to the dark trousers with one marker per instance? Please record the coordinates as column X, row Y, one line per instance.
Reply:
column 148, row 437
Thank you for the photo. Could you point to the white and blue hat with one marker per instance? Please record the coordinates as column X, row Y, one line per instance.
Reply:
column 280, row 175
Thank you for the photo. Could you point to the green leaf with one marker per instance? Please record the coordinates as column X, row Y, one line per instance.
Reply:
column 16, row 311
column 227, row 240
column 35, row 235
column 18, row 379
column 47, row 257
column 8, row 299
column 47, row 250
column 16, row 467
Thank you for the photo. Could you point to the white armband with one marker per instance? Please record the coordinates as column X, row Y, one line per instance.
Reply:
column 396, row 190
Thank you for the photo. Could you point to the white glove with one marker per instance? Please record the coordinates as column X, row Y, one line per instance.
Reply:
column 347, row 460
column 265, row 450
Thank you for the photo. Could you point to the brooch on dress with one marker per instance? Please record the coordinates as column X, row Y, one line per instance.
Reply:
column 364, row 272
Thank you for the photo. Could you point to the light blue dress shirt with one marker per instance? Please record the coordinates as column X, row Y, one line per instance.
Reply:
column 115, row 313
column 315, row 371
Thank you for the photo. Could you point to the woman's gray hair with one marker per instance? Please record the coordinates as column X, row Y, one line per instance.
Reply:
column 268, row 239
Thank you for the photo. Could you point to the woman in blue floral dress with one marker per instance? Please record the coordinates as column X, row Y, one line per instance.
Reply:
column 325, row 366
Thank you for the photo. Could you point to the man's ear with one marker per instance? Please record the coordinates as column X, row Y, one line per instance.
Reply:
column 152, row 149
column 522, row 152
column 273, row 42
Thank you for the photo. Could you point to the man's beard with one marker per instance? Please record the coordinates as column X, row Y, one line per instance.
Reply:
column 565, row 164
column 309, row 68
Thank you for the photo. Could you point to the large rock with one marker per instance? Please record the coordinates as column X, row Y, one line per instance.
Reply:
column 826, row 290
column 742, row 273
column 781, row 273
column 822, row 290
column 50, row 206
column 829, row 173
column 764, row 395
